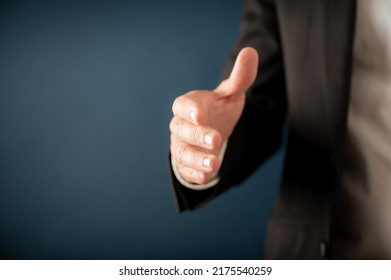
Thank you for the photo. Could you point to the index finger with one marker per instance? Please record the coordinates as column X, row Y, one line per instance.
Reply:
column 186, row 107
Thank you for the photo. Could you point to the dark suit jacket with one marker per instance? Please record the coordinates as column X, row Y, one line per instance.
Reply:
column 305, row 50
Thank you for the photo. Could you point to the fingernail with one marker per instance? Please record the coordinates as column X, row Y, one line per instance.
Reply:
column 208, row 139
column 206, row 162
column 193, row 115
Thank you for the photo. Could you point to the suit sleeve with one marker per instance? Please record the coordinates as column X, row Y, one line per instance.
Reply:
column 258, row 133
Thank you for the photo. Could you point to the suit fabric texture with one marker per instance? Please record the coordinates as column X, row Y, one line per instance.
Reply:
column 305, row 51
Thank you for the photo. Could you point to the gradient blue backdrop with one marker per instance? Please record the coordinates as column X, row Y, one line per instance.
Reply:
column 86, row 89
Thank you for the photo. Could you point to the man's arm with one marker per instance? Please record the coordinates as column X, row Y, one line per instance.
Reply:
column 258, row 132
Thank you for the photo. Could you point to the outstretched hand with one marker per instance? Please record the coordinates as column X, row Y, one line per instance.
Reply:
column 203, row 120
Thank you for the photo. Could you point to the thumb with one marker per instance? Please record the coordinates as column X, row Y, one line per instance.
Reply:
column 243, row 73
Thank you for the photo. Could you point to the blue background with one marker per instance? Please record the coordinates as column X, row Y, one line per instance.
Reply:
column 86, row 89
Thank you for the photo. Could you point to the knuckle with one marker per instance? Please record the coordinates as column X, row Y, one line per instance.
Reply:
column 173, row 139
column 185, row 173
column 173, row 148
column 179, row 127
column 179, row 105
column 193, row 160
column 186, row 131
column 180, row 154
column 194, row 176
column 172, row 125
column 183, row 100
column 176, row 150
column 196, row 135
column 189, row 106
column 175, row 105
column 190, row 175
column 176, row 126
column 192, row 93
column 197, row 162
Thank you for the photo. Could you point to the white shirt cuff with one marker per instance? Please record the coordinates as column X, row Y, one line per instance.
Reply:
column 199, row 187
